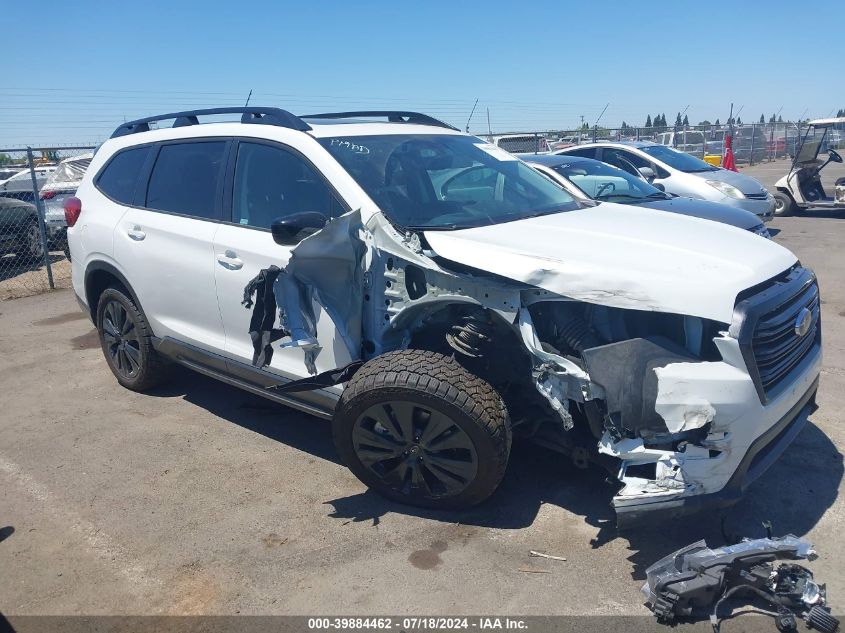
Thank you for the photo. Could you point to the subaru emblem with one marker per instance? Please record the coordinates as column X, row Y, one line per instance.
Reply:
column 803, row 322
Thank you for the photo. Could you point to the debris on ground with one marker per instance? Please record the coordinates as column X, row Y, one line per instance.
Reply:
column 695, row 581
column 532, row 570
column 542, row 555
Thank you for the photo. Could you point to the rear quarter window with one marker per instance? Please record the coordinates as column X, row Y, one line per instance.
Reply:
column 120, row 175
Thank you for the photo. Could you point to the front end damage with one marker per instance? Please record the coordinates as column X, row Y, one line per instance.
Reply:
column 687, row 410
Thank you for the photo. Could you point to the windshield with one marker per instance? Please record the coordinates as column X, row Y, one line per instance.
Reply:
column 678, row 160
column 445, row 181
column 606, row 182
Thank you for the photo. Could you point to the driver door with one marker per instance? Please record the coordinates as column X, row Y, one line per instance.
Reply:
column 267, row 181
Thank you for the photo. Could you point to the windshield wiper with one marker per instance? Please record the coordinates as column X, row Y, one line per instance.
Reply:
column 659, row 195
column 619, row 195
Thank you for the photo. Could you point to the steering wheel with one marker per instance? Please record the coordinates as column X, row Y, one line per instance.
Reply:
column 834, row 156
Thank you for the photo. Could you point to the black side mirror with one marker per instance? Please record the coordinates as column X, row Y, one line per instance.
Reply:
column 293, row 228
column 660, row 186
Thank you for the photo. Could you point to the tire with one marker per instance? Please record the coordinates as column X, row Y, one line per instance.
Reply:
column 409, row 418
column 784, row 205
column 31, row 249
column 126, row 341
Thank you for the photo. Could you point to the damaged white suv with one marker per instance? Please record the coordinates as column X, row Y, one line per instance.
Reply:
column 435, row 297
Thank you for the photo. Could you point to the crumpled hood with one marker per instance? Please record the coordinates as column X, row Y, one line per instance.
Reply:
column 623, row 256
column 715, row 211
column 746, row 184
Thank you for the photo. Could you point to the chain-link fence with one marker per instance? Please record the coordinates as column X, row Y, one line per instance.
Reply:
column 751, row 143
column 34, row 184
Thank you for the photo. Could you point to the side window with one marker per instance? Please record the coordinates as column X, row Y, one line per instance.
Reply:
column 628, row 161
column 475, row 183
column 120, row 176
column 584, row 152
column 186, row 177
column 271, row 182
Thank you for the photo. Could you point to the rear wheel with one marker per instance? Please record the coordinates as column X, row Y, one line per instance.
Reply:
column 420, row 429
column 126, row 340
column 31, row 249
column 784, row 205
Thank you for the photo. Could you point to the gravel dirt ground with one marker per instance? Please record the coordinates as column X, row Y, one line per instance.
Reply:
column 198, row 498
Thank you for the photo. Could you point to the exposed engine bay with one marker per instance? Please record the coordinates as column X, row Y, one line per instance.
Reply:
column 615, row 379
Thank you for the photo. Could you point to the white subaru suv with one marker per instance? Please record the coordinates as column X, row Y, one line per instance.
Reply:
column 435, row 297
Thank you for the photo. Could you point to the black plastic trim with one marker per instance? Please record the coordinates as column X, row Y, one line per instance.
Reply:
column 392, row 116
column 756, row 302
column 316, row 402
column 254, row 115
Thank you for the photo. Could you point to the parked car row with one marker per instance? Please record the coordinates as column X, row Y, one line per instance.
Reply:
column 435, row 297
column 18, row 213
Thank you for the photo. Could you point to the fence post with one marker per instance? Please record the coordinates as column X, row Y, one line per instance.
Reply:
column 751, row 151
column 39, row 204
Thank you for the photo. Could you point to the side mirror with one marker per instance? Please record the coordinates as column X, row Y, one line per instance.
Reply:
column 647, row 173
column 289, row 230
column 660, row 186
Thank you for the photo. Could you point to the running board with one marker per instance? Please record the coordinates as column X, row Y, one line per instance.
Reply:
column 318, row 402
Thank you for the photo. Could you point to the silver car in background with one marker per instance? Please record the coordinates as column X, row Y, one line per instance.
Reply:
column 681, row 174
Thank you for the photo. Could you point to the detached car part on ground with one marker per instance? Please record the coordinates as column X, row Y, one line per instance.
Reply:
column 593, row 180
column 697, row 581
column 474, row 300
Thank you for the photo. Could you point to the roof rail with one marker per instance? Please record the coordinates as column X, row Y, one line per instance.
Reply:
column 265, row 116
column 393, row 116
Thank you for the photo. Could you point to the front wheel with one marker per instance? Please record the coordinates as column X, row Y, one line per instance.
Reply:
column 420, row 429
column 784, row 205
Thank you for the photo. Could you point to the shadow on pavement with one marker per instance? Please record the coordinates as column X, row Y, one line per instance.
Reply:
column 794, row 494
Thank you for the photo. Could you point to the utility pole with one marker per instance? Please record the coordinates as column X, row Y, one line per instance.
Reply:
column 580, row 127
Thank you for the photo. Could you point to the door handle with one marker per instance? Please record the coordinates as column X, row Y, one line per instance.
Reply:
column 230, row 260
column 136, row 233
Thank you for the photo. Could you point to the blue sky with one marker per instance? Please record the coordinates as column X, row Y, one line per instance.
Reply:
column 535, row 65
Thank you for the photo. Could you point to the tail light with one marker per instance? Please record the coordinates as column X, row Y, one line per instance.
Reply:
column 73, row 207
column 46, row 195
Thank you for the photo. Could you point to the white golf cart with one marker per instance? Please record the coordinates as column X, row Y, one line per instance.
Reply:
column 802, row 188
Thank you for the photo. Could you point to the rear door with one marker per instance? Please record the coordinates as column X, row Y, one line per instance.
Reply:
column 268, row 180
column 164, row 241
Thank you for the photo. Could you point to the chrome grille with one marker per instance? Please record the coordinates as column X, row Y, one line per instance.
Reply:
column 769, row 336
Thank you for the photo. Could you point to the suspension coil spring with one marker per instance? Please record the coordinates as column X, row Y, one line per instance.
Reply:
column 471, row 335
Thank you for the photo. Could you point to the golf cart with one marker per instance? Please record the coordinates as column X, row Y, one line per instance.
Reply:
column 802, row 188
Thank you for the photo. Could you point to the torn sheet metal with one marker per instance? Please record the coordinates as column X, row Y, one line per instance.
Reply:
column 695, row 581
column 653, row 263
column 326, row 267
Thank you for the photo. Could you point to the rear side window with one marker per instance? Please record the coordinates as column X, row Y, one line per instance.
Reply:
column 118, row 179
column 584, row 152
column 186, row 178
